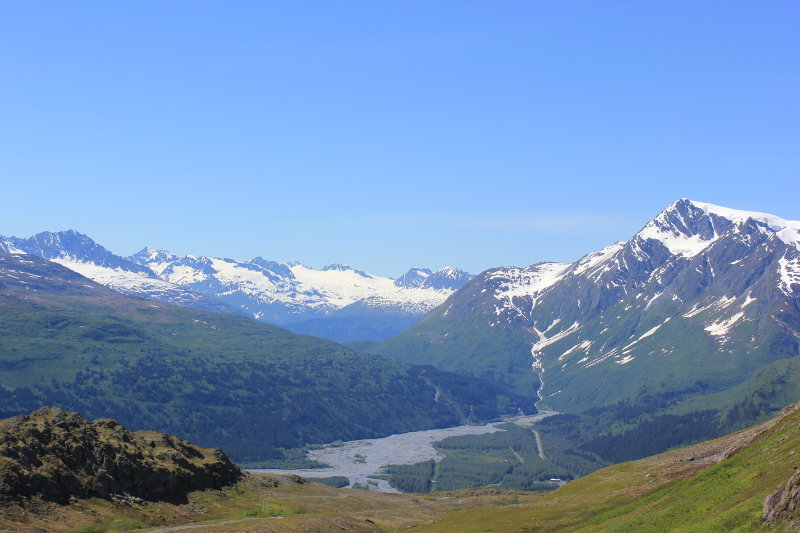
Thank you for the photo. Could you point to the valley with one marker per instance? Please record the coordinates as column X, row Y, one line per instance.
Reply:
column 514, row 379
column 383, row 267
column 360, row 461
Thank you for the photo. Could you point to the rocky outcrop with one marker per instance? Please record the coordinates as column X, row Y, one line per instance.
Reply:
column 781, row 504
column 56, row 454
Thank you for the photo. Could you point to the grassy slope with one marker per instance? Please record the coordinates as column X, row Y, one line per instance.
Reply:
column 681, row 490
column 466, row 346
column 259, row 503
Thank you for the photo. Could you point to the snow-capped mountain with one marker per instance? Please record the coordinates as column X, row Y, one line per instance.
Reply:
column 373, row 307
column 703, row 297
column 81, row 254
column 288, row 293
column 446, row 278
column 386, row 313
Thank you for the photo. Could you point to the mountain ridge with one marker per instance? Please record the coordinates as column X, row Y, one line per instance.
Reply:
column 270, row 291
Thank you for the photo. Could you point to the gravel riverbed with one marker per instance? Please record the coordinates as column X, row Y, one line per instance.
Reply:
column 357, row 460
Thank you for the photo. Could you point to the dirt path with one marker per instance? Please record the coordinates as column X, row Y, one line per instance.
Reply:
column 198, row 526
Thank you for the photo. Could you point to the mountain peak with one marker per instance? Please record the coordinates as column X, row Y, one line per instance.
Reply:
column 71, row 245
column 449, row 271
column 415, row 277
column 447, row 278
column 336, row 266
column 68, row 236
column 275, row 268
column 686, row 227
column 149, row 254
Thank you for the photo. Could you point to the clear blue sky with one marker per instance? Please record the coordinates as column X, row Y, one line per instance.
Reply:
column 386, row 134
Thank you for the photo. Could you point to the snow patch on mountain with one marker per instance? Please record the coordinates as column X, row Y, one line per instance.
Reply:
column 182, row 274
column 748, row 300
column 670, row 229
column 525, row 282
column 787, row 231
column 789, row 272
column 723, row 327
column 156, row 260
column 7, row 247
column 415, row 301
column 651, row 331
column 695, row 310
column 338, row 287
column 581, row 346
column 544, row 340
column 597, row 259
column 116, row 278
column 139, row 284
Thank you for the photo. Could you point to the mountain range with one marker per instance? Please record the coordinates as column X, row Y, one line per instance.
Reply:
column 336, row 302
column 687, row 330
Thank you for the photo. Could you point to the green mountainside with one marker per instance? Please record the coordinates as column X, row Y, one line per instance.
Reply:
column 216, row 379
column 459, row 336
column 747, row 481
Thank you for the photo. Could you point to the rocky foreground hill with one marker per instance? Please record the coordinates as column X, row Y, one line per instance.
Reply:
column 57, row 455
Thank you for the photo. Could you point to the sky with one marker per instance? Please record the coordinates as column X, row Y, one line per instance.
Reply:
column 390, row 134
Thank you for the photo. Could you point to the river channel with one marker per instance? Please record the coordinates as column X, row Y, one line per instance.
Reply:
column 357, row 460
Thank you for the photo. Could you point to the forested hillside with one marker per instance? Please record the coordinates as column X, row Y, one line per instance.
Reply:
column 217, row 379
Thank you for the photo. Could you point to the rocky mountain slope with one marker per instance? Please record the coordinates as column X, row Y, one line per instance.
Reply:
column 702, row 296
column 218, row 379
column 372, row 307
column 692, row 324
column 57, row 455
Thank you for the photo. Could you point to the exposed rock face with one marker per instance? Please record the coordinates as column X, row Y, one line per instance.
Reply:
column 781, row 504
column 56, row 454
